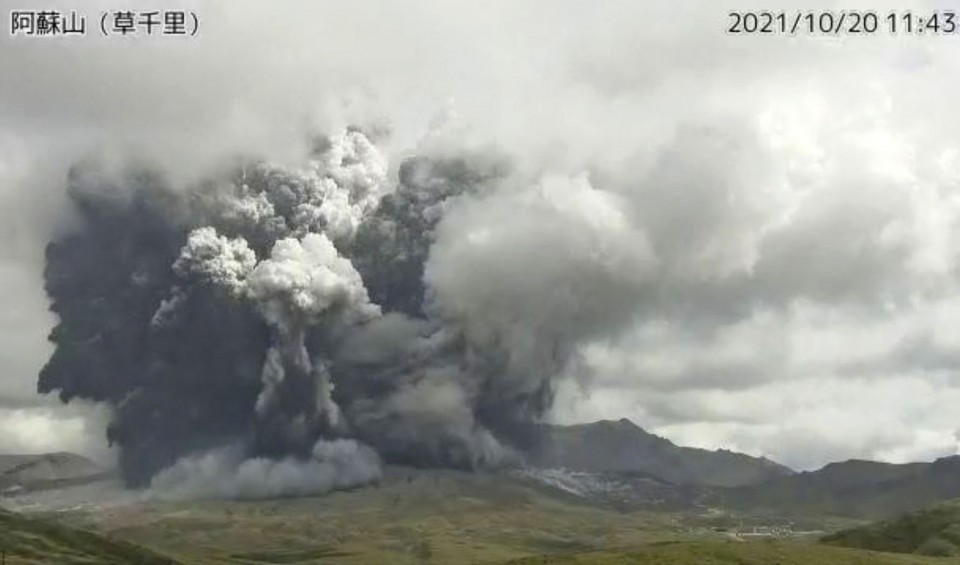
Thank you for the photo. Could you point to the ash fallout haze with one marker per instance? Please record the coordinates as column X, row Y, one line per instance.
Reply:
column 321, row 237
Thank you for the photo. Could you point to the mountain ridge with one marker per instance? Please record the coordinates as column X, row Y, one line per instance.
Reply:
column 616, row 446
column 870, row 489
column 20, row 472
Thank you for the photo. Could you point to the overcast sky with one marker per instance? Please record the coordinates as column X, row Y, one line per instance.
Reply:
column 799, row 197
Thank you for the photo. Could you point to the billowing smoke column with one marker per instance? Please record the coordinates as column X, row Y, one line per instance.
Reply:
column 283, row 331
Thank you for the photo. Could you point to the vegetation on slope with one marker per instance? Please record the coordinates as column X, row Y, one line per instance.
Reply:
column 413, row 517
column 934, row 531
column 32, row 541
column 734, row 553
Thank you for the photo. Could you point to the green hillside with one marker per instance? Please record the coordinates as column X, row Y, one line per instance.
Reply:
column 735, row 553
column 413, row 517
column 934, row 531
column 419, row 517
column 32, row 541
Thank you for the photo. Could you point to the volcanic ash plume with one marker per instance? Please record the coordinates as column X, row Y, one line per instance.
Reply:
column 282, row 330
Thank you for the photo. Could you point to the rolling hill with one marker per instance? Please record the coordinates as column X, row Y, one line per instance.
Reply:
column 734, row 553
column 932, row 531
column 861, row 489
column 413, row 516
column 599, row 493
column 49, row 470
column 29, row 541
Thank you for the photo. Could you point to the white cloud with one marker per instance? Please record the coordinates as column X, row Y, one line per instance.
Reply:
column 46, row 429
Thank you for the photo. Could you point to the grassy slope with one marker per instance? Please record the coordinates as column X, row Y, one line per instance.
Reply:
column 736, row 553
column 907, row 533
column 435, row 517
column 449, row 518
column 33, row 541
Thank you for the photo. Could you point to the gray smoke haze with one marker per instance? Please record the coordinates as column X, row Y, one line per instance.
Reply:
column 227, row 473
column 233, row 313
column 417, row 227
